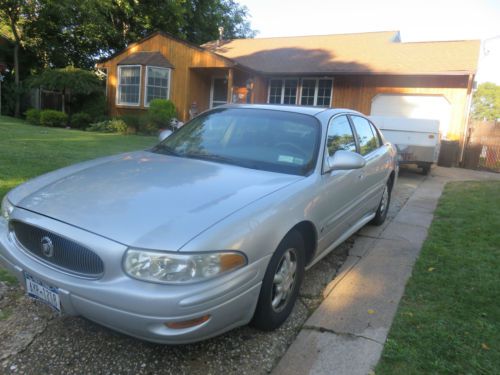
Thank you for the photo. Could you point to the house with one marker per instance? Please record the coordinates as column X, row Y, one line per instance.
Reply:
column 374, row 73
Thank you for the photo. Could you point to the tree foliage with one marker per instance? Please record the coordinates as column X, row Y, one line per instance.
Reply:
column 67, row 32
column 486, row 102
column 80, row 81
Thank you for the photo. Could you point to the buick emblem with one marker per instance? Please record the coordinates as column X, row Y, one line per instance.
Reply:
column 47, row 247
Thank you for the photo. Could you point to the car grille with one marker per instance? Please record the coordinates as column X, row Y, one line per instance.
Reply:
column 65, row 253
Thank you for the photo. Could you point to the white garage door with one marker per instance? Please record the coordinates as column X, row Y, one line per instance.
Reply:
column 414, row 106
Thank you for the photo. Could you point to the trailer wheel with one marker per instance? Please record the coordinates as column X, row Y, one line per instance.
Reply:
column 426, row 168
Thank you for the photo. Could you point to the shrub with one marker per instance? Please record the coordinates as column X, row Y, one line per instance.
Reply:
column 161, row 112
column 134, row 122
column 33, row 116
column 93, row 104
column 80, row 120
column 52, row 118
column 110, row 126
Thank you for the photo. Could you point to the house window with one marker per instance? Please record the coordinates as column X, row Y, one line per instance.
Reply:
column 290, row 91
column 317, row 92
column 157, row 84
column 324, row 94
column 129, row 85
column 275, row 88
column 306, row 91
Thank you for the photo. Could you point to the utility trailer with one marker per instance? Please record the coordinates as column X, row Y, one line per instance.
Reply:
column 417, row 140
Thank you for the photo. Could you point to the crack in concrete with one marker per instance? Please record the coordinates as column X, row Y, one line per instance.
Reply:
column 348, row 334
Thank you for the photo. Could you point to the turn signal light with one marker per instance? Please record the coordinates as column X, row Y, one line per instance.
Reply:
column 188, row 323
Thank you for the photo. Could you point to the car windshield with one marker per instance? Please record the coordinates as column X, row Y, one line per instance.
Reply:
column 270, row 140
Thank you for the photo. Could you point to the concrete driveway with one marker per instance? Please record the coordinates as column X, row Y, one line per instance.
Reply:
column 34, row 341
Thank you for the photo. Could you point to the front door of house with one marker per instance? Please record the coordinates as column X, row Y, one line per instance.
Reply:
column 218, row 92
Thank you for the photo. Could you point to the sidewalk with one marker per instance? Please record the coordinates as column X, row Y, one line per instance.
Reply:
column 346, row 334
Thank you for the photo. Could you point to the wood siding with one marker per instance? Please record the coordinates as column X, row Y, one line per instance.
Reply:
column 358, row 92
column 183, row 57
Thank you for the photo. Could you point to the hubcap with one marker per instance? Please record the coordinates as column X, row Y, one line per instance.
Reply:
column 385, row 198
column 284, row 280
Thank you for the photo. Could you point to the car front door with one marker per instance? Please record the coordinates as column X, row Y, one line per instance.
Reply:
column 340, row 191
column 372, row 181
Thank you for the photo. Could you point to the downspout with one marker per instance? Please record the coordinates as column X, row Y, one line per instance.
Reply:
column 467, row 110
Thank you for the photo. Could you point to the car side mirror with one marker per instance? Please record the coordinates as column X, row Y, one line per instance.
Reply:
column 344, row 160
column 164, row 134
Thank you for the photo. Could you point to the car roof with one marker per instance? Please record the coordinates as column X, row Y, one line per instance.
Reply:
column 307, row 110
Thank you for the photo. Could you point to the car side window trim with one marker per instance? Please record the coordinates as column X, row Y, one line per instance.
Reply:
column 357, row 136
column 325, row 143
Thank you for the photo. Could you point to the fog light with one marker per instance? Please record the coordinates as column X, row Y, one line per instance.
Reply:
column 188, row 323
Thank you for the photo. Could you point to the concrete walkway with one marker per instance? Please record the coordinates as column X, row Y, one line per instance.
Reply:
column 346, row 334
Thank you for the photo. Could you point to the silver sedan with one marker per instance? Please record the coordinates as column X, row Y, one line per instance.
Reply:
column 211, row 229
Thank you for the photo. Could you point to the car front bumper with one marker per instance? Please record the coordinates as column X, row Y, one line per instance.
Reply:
column 134, row 307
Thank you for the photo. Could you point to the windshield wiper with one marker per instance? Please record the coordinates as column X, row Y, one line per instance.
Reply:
column 164, row 149
column 211, row 157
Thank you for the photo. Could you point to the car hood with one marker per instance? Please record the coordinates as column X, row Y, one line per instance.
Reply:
column 151, row 201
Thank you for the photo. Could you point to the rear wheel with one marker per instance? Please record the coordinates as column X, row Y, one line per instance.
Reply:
column 281, row 283
column 383, row 206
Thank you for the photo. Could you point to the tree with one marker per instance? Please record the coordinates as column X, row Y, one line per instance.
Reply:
column 68, row 81
column 13, row 13
column 204, row 17
column 486, row 102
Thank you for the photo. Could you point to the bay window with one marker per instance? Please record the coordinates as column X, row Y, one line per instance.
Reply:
column 129, row 85
column 157, row 84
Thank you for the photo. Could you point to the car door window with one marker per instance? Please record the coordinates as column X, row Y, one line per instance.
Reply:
column 340, row 136
column 367, row 140
column 377, row 134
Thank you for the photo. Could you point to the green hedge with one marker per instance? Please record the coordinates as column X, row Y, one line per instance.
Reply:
column 33, row 116
column 52, row 118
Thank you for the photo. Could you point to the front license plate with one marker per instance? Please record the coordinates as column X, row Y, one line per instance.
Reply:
column 40, row 291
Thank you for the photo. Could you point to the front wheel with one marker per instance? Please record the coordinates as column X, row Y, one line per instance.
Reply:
column 281, row 283
column 383, row 206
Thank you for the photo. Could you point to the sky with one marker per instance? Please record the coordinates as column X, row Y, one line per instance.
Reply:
column 417, row 20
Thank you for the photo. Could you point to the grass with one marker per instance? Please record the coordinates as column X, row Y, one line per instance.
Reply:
column 27, row 151
column 448, row 321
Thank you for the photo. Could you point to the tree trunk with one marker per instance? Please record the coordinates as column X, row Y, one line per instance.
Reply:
column 17, row 43
column 17, row 109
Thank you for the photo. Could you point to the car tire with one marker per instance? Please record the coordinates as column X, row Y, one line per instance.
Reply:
column 281, row 283
column 383, row 206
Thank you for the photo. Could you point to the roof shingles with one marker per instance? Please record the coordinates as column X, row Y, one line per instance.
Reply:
column 363, row 53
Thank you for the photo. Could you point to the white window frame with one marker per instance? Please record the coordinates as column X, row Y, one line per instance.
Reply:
column 146, row 104
column 283, row 89
column 298, row 98
column 316, row 89
column 124, row 104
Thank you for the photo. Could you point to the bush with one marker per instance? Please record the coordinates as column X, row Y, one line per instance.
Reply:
column 33, row 116
column 134, row 122
column 161, row 112
column 93, row 104
column 52, row 118
column 80, row 120
column 110, row 126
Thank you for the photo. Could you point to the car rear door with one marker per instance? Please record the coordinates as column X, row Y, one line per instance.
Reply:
column 372, row 180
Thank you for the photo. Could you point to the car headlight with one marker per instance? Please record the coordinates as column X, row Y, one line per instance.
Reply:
column 180, row 268
column 6, row 209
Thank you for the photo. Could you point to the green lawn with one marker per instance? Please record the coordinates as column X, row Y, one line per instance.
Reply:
column 27, row 151
column 448, row 321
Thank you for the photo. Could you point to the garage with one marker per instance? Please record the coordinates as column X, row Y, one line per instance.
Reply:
column 434, row 107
